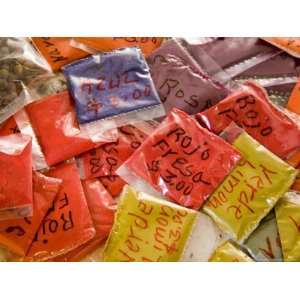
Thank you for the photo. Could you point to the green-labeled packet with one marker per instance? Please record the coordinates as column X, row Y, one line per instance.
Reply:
column 251, row 190
column 148, row 229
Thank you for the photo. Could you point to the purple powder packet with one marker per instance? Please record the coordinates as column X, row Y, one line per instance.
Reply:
column 114, row 86
column 180, row 82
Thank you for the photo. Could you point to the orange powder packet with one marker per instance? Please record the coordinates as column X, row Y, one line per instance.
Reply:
column 291, row 45
column 9, row 127
column 68, row 223
column 113, row 184
column 102, row 208
column 147, row 44
column 17, row 234
column 294, row 100
column 57, row 51
column 15, row 176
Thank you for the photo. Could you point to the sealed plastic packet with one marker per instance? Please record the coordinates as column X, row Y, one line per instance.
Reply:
column 104, row 44
column 288, row 220
column 112, row 89
column 240, row 59
column 250, row 108
column 17, row 234
column 102, row 208
column 57, row 51
column 148, row 229
column 291, row 45
column 106, row 159
column 179, row 80
column 251, row 190
column 264, row 242
column 181, row 160
column 52, row 124
column 203, row 240
column 9, row 127
column 68, row 223
column 15, row 176
column 230, row 252
column 19, row 66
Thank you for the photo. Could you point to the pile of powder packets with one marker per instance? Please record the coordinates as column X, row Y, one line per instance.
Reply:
column 149, row 149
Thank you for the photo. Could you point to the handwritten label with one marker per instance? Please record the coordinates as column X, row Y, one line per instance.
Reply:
column 105, row 85
column 183, row 161
column 68, row 223
column 151, row 230
column 288, row 220
column 258, row 116
column 105, row 160
column 251, row 190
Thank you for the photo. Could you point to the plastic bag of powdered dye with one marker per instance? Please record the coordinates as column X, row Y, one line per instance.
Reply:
column 15, row 176
column 57, row 50
column 230, row 252
column 251, row 109
column 180, row 160
column 104, row 44
column 102, row 208
column 291, row 45
column 251, row 190
column 106, row 159
column 288, row 220
column 148, row 229
column 17, row 234
column 68, row 223
column 113, row 184
column 179, row 80
column 264, row 242
column 20, row 64
column 112, row 89
column 52, row 124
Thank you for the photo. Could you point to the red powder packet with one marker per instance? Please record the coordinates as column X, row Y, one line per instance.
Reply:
column 250, row 108
column 57, row 50
column 15, row 176
column 113, row 184
column 68, row 223
column 106, row 159
column 9, row 127
column 17, row 235
column 54, row 123
column 102, row 208
column 181, row 160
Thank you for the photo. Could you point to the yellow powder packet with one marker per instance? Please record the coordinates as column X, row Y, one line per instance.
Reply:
column 228, row 252
column 251, row 190
column 288, row 220
column 147, row 228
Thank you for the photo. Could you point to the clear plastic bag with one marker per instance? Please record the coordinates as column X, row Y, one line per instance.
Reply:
column 250, row 108
column 68, row 223
column 17, row 234
column 15, row 176
column 180, row 160
column 112, row 89
column 57, row 137
column 251, row 190
column 19, row 66
column 105, row 160
column 179, row 80
column 57, row 51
